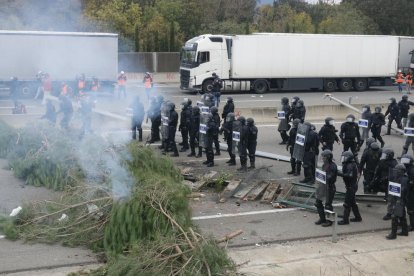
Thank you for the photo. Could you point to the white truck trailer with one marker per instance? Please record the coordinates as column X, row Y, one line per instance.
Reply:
column 63, row 55
column 279, row 61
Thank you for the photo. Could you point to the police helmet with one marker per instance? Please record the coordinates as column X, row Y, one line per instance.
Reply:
column 378, row 109
column 171, row 106
column 392, row 100
column 189, row 102
column 285, row 100
column 400, row 168
column 160, row 99
column 308, row 124
column 214, row 74
column 229, row 99
column 296, row 122
column 230, row 117
column 405, row 97
column 328, row 119
column 350, row 118
column 366, row 108
column 213, row 110
column 295, row 99
column 347, row 156
column 313, row 127
column 369, row 141
column 196, row 110
column 250, row 121
column 387, row 154
column 407, row 159
column 374, row 146
column 242, row 120
column 327, row 154
column 300, row 103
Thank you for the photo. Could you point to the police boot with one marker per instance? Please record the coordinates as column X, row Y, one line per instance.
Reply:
column 200, row 152
column 322, row 218
column 232, row 160
column 192, row 153
column 217, row 152
column 388, row 130
column 243, row 167
column 394, row 227
column 293, row 167
column 345, row 219
column 298, row 169
column 404, row 227
column 411, row 228
column 357, row 215
column 252, row 165
column 140, row 134
column 387, row 217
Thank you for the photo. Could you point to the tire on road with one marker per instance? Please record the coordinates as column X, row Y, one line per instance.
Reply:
column 207, row 86
column 329, row 85
column 260, row 86
column 345, row 85
column 360, row 84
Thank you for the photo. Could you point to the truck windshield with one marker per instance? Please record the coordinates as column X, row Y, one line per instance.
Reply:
column 188, row 58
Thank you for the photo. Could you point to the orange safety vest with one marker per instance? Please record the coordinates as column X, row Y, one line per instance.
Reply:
column 121, row 80
column 95, row 86
column 81, row 84
column 64, row 90
column 148, row 82
column 409, row 79
column 400, row 78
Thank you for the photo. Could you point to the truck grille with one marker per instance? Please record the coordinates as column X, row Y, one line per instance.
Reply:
column 184, row 78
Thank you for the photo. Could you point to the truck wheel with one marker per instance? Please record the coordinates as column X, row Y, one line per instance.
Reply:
column 361, row 84
column 260, row 86
column 345, row 85
column 208, row 86
column 329, row 85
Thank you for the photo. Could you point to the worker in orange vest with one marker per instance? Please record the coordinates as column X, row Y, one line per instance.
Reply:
column 400, row 80
column 94, row 84
column 81, row 84
column 64, row 89
column 148, row 84
column 122, row 78
column 408, row 82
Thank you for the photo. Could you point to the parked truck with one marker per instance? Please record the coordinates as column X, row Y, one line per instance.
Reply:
column 281, row 61
column 63, row 55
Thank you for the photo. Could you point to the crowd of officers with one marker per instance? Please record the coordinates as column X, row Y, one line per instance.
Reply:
column 200, row 126
column 381, row 171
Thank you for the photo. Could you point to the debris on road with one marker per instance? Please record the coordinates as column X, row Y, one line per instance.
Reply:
column 229, row 190
column 230, row 236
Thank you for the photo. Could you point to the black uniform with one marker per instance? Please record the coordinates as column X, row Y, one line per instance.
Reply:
column 410, row 194
column 217, row 85
column 367, row 165
column 410, row 139
column 50, row 114
column 299, row 113
column 294, row 164
column 350, row 176
column 380, row 182
column 378, row 120
column 327, row 136
column 137, row 118
column 66, row 108
column 185, row 124
column 309, row 158
column 194, row 132
column 350, row 136
column 396, row 204
column 212, row 129
column 154, row 114
column 404, row 106
column 284, row 126
column 394, row 114
column 242, row 145
column 252, row 142
column 227, row 129
column 326, row 192
column 228, row 108
column 217, row 121
column 172, row 128
column 366, row 115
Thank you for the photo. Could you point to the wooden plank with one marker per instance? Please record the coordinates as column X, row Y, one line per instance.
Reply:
column 229, row 190
column 270, row 192
column 258, row 190
column 243, row 192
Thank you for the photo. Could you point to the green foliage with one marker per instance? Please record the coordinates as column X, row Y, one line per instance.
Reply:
column 8, row 228
column 8, row 136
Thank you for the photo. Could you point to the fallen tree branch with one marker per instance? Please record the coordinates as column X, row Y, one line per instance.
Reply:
column 230, row 236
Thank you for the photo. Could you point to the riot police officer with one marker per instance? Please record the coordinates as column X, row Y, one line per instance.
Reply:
column 408, row 162
column 326, row 192
column 397, row 202
column 381, row 175
column 327, row 134
column 294, row 164
column 228, row 108
column 242, row 145
column 172, row 128
column 350, row 134
column 251, row 141
column 66, row 108
column 194, row 132
column 350, row 176
column 366, row 115
column 404, row 106
column 299, row 111
column 410, row 139
column 394, row 111
column 227, row 128
column 369, row 161
column 185, row 124
column 212, row 131
column 310, row 155
column 216, row 118
column 284, row 122
column 137, row 118
column 208, row 99
column 154, row 114
column 293, row 102
column 378, row 120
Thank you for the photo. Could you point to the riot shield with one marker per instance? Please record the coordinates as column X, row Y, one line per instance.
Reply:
column 300, row 140
column 236, row 136
column 394, row 185
column 202, row 135
column 164, row 121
